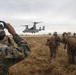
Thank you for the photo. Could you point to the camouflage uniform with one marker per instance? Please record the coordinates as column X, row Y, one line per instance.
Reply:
column 65, row 37
column 53, row 44
column 9, row 55
column 70, row 45
column 71, row 50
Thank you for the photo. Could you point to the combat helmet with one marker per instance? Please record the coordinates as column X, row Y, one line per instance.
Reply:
column 55, row 33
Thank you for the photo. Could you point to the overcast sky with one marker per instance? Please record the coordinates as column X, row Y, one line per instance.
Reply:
column 55, row 15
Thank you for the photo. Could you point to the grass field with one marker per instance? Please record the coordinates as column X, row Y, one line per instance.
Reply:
column 39, row 62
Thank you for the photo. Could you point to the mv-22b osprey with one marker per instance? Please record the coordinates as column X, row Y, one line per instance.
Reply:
column 33, row 29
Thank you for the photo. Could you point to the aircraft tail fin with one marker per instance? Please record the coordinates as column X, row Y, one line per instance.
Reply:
column 43, row 28
column 40, row 28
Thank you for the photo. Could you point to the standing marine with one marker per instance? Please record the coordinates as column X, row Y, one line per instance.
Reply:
column 53, row 42
column 64, row 39
column 9, row 54
column 70, row 45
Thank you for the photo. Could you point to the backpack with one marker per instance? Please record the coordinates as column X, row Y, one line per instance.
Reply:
column 51, row 42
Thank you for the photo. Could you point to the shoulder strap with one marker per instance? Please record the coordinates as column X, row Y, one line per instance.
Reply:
column 9, row 41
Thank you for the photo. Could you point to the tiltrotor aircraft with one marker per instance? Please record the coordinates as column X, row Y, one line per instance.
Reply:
column 33, row 29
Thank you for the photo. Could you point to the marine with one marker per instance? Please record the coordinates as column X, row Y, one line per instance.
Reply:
column 70, row 45
column 53, row 42
column 64, row 39
column 9, row 54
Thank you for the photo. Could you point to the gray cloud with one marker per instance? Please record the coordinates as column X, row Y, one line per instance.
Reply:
column 53, row 13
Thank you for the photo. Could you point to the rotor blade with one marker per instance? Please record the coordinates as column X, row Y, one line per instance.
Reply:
column 24, row 25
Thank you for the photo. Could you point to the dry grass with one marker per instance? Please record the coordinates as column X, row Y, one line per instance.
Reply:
column 39, row 62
